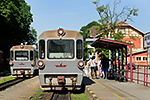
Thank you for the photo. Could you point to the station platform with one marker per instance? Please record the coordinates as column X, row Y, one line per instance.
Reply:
column 105, row 89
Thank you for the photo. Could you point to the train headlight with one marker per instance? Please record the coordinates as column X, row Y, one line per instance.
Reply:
column 11, row 63
column 74, row 79
column 81, row 64
column 32, row 63
column 60, row 32
column 40, row 63
column 21, row 46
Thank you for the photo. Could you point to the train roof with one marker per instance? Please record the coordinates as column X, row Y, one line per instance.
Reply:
column 54, row 34
column 25, row 47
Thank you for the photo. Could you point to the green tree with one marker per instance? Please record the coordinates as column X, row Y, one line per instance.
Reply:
column 32, row 36
column 109, row 18
column 84, row 31
column 15, row 20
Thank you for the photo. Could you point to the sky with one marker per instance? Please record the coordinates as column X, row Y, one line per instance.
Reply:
column 74, row 14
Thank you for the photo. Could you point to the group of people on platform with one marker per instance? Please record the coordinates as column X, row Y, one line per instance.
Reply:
column 101, row 67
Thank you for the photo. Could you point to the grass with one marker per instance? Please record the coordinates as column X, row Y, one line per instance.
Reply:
column 74, row 96
column 81, row 96
column 5, row 79
column 36, row 96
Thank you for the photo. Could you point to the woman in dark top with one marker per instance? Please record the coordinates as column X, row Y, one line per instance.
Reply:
column 104, row 66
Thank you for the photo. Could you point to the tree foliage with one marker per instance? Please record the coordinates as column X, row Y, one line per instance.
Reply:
column 109, row 18
column 31, row 36
column 84, row 31
column 108, row 22
column 15, row 20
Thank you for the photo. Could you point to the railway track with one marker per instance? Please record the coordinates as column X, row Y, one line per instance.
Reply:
column 10, row 83
column 60, row 96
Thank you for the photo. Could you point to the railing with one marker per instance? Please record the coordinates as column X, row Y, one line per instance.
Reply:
column 141, row 75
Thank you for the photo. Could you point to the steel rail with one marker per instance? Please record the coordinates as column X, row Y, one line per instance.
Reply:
column 60, row 96
column 10, row 83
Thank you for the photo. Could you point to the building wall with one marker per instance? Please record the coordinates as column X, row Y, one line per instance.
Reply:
column 130, row 33
column 139, row 59
column 136, row 42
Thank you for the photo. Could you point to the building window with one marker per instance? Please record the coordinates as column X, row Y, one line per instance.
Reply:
column 122, row 30
column 144, row 58
column 138, row 58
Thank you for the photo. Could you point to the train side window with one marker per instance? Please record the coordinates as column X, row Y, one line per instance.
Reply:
column 79, row 49
column 42, row 49
column 31, row 55
column 11, row 55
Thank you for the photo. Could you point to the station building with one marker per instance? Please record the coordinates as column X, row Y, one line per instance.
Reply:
column 132, row 35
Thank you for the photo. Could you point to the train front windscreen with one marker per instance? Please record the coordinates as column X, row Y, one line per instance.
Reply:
column 60, row 49
column 21, row 55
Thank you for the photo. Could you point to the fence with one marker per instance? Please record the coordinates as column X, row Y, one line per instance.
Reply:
column 141, row 75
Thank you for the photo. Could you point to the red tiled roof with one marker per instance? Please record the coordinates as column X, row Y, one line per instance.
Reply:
column 93, row 30
column 123, row 24
column 139, row 52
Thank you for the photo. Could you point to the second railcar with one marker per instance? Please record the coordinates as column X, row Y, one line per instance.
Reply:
column 60, row 60
column 23, row 60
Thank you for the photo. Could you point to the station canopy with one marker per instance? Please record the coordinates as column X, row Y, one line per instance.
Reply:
column 109, row 44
